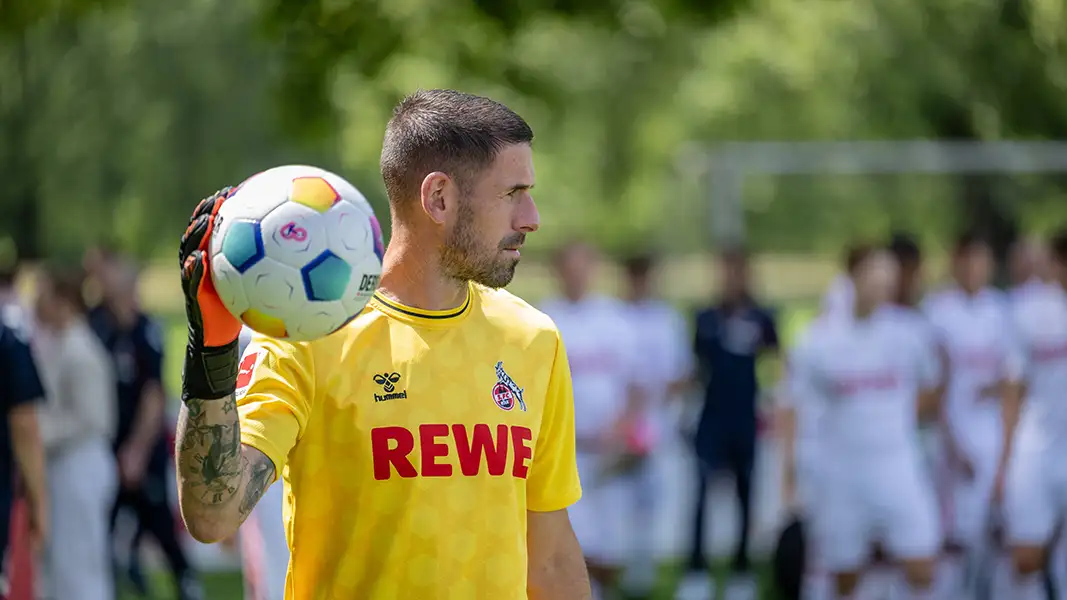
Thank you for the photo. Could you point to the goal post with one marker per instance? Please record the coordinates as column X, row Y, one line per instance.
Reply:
column 728, row 165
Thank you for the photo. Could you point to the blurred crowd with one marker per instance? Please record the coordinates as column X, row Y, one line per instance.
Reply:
column 88, row 435
column 94, row 452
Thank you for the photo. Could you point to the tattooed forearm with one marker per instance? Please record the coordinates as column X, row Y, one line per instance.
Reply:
column 219, row 479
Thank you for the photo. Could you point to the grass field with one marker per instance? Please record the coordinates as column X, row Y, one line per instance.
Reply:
column 228, row 586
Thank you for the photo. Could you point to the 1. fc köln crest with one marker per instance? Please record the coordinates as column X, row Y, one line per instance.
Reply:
column 507, row 393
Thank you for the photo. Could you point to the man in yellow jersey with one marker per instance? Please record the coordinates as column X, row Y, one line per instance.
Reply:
column 427, row 449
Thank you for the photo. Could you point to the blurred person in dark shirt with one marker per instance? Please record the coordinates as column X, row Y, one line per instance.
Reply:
column 21, row 450
column 135, row 344
column 730, row 337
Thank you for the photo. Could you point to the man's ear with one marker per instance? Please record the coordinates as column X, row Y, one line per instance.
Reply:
column 438, row 194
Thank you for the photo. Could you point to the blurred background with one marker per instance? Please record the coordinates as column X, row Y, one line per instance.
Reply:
column 674, row 126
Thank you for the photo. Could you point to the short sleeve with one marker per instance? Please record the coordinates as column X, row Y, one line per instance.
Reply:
column 681, row 357
column 152, row 344
column 1016, row 358
column 21, row 371
column 801, row 380
column 275, row 386
column 929, row 356
column 553, row 481
column 770, row 331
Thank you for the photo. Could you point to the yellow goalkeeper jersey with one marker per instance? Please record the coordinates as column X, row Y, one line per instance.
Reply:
column 411, row 444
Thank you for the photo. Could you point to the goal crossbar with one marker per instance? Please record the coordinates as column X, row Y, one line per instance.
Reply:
column 727, row 165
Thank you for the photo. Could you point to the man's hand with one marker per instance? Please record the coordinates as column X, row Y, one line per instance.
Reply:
column 133, row 462
column 211, row 358
column 958, row 460
column 37, row 512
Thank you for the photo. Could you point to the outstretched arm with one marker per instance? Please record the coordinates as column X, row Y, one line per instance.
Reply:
column 220, row 480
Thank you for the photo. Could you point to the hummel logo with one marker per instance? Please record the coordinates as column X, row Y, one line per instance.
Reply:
column 388, row 382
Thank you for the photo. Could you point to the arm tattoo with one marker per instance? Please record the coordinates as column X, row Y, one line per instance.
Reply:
column 260, row 471
column 213, row 466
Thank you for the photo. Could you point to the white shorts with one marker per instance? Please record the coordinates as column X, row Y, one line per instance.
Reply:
column 603, row 518
column 889, row 500
column 264, row 550
column 970, row 502
column 1035, row 490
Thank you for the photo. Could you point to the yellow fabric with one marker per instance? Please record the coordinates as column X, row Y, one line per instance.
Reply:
column 407, row 475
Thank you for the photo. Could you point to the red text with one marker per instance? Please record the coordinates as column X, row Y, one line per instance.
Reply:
column 392, row 449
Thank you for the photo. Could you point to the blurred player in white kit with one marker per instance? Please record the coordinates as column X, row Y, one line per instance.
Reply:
column 971, row 326
column 868, row 378
column 606, row 365
column 261, row 538
column 1033, row 469
column 663, row 337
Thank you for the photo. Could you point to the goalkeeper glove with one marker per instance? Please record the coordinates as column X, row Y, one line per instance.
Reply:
column 211, row 357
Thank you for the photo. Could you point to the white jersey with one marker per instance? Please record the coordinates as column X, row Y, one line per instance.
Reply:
column 604, row 357
column 1039, row 322
column 840, row 298
column 666, row 354
column 863, row 378
column 974, row 333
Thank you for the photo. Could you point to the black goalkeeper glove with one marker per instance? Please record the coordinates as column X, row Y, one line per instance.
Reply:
column 211, row 357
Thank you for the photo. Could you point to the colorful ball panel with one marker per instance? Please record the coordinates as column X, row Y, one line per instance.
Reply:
column 264, row 323
column 243, row 245
column 326, row 277
column 314, row 192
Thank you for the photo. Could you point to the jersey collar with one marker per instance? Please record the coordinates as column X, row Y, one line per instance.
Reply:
column 422, row 317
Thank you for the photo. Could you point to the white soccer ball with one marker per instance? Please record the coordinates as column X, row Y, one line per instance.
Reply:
column 296, row 252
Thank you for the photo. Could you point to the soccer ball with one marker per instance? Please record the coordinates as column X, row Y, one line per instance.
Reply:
column 296, row 252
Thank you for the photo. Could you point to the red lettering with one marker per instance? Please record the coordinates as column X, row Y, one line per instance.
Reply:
column 481, row 443
column 522, row 449
column 385, row 455
column 432, row 450
column 391, row 447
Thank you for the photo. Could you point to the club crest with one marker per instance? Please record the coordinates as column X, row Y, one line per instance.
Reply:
column 506, row 393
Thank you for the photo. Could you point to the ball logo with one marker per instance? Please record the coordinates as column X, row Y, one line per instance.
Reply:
column 292, row 231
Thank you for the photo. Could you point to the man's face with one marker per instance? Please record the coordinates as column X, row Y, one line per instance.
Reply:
column 973, row 267
column 492, row 220
column 577, row 267
column 876, row 278
column 733, row 276
column 45, row 304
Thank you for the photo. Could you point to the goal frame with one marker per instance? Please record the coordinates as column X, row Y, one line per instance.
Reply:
column 726, row 166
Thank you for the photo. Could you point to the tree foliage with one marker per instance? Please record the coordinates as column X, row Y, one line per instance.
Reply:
column 116, row 116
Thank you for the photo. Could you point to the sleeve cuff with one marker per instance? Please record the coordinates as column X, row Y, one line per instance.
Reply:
column 556, row 502
column 251, row 435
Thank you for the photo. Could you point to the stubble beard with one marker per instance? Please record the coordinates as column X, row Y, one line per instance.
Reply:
column 464, row 257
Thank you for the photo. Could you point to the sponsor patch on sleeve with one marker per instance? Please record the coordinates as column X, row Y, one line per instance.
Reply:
column 248, row 366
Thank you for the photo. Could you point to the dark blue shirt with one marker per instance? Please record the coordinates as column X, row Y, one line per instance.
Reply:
column 137, row 356
column 19, row 385
column 727, row 343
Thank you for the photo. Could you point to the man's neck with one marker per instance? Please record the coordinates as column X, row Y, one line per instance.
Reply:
column 862, row 312
column 411, row 275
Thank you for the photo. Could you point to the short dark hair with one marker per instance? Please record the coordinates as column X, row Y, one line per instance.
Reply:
column 905, row 249
column 445, row 130
column 1058, row 246
column 68, row 284
column 856, row 254
column 639, row 265
column 969, row 240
